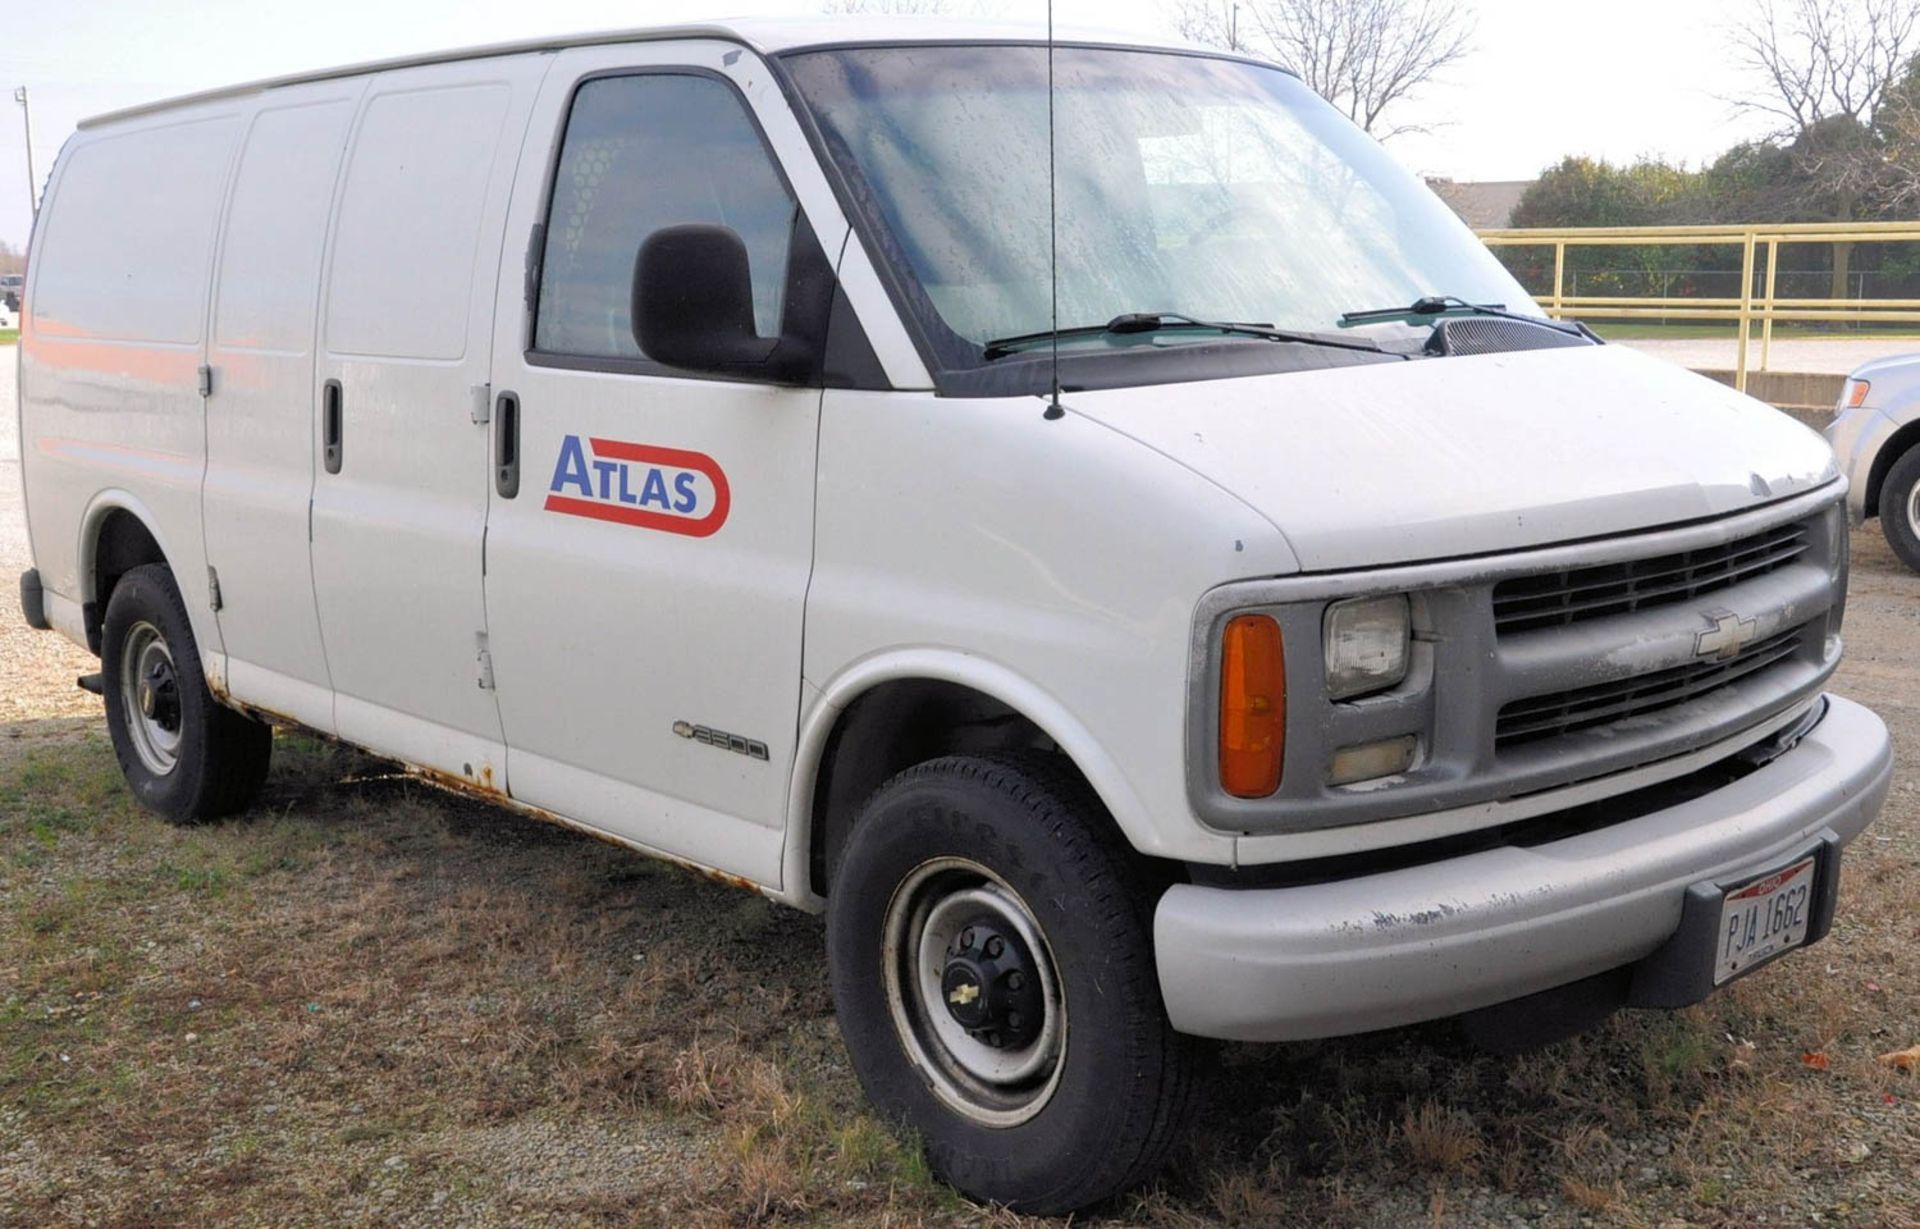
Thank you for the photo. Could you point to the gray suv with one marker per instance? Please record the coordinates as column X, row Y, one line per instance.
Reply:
column 1876, row 435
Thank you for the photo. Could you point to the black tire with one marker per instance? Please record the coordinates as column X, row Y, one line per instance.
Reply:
column 1125, row 1080
column 218, row 757
column 1900, row 508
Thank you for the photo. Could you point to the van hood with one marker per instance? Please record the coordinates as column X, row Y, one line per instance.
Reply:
column 1362, row 466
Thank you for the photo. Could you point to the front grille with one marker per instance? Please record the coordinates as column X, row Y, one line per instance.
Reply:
column 1574, row 595
column 1564, row 712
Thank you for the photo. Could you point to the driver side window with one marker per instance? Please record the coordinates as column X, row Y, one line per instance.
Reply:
column 643, row 152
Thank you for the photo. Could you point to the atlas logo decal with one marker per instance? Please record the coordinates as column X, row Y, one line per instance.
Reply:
column 668, row 489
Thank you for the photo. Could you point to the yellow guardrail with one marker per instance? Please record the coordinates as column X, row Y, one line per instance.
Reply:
column 1746, row 310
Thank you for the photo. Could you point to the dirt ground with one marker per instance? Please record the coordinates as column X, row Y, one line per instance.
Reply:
column 371, row 1003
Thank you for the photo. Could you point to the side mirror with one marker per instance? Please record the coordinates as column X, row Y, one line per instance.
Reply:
column 692, row 307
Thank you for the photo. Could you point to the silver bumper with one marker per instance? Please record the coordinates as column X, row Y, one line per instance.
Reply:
column 1857, row 437
column 1435, row 940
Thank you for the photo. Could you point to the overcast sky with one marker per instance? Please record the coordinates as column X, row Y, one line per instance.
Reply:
column 1547, row 77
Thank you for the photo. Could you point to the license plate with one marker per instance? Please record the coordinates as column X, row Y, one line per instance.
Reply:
column 1763, row 919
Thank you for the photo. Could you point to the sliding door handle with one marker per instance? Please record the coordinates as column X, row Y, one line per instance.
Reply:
column 506, row 445
column 332, row 426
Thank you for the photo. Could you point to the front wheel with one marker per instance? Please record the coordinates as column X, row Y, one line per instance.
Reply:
column 185, row 756
column 1900, row 508
column 991, row 953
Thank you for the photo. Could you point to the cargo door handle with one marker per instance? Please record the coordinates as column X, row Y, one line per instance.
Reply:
column 506, row 445
column 331, row 426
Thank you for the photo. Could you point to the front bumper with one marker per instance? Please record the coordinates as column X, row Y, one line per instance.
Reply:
column 1423, row 942
column 1857, row 437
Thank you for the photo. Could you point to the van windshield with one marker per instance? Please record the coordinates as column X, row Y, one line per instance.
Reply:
column 1209, row 187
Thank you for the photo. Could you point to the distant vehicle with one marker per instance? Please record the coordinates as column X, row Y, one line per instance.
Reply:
column 1876, row 435
column 1109, row 686
column 12, row 286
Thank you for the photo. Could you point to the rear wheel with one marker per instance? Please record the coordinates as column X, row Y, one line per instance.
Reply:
column 991, row 953
column 1900, row 508
column 185, row 756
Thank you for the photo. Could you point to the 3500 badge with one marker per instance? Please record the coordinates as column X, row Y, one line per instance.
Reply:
column 669, row 489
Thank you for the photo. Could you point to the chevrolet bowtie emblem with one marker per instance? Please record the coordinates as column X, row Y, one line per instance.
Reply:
column 1724, row 640
column 963, row 994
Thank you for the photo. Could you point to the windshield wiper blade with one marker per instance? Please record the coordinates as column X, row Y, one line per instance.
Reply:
column 1153, row 322
column 1440, row 304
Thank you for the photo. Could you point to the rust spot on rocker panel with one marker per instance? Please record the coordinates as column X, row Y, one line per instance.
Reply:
column 482, row 787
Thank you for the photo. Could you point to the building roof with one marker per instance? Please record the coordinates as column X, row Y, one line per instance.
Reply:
column 765, row 35
column 1486, row 204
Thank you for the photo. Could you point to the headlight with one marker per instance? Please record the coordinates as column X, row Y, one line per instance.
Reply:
column 1366, row 645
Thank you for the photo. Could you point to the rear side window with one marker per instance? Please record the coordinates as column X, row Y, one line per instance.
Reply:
column 641, row 153
column 130, row 235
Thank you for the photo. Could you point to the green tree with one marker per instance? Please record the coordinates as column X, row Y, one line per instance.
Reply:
column 1755, row 181
column 1589, row 192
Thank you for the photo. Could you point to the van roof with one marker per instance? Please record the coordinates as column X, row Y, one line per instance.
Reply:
column 765, row 35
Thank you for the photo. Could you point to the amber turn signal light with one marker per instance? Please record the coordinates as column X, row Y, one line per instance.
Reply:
column 1253, row 706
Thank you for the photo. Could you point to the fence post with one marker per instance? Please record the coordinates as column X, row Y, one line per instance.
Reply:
column 1766, row 329
column 1746, row 311
column 1559, row 273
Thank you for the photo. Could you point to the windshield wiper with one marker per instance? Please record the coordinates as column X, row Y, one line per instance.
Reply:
column 1440, row 304
column 1153, row 322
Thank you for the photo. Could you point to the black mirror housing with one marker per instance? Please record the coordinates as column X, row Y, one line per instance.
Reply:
column 692, row 307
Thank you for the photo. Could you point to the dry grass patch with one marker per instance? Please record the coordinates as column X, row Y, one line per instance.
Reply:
column 434, row 1007
column 372, row 1003
column 1439, row 1139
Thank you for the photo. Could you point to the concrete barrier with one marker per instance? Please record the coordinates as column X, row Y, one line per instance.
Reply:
column 1807, row 395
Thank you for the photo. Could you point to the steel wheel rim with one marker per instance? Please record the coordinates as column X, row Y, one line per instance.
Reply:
column 997, row 1087
column 1913, row 510
column 150, row 698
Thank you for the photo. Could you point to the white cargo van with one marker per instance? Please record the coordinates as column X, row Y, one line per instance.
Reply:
column 658, row 432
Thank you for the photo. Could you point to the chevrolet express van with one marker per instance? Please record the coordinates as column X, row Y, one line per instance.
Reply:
column 1197, row 595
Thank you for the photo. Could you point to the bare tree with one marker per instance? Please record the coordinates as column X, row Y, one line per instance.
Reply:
column 1818, row 60
column 1897, row 121
column 1364, row 56
column 1216, row 23
column 1821, row 69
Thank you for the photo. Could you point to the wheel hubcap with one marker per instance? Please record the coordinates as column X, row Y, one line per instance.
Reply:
column 976, row 999
column 1913, row 509
column 990, row 986
column 150, row 691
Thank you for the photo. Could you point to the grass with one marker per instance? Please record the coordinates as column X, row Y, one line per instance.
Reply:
column 9, row 336
column 369, row 1002
column 1689, row 330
